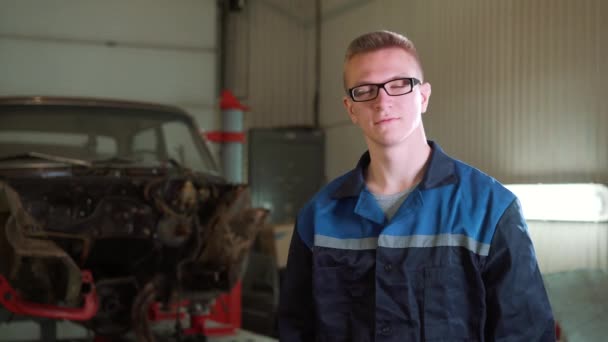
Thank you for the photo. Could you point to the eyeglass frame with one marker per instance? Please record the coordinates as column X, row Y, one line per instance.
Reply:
column 413, row 82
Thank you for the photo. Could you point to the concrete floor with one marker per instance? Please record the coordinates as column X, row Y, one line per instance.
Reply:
column 66, row 331
column 243, row 336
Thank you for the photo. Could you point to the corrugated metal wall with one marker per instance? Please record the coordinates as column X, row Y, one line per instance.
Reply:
column 518, row 85
column 270, row 57
column 521, row 98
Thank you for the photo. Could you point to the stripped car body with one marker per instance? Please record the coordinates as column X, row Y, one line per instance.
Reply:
column 109, row 206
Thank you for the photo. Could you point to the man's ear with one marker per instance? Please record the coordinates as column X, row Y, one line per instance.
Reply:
column 425, row 93
column 348, row 104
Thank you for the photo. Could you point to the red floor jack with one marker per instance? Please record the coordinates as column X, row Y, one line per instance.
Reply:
column 222, row 319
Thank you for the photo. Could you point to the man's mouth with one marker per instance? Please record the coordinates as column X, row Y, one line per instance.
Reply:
column 385, row 120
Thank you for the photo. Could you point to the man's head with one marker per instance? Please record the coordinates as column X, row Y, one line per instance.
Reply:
column 378, row 40
column 386, row 94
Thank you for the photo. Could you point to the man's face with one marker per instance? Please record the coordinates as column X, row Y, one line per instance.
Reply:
column 386, row 120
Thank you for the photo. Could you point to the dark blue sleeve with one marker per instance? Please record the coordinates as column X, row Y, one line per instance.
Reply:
column 296, row 308
column 518, row 308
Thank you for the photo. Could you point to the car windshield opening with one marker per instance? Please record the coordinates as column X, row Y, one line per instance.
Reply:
column 141, row 136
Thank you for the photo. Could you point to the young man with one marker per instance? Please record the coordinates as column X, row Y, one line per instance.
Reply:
column 411, row 245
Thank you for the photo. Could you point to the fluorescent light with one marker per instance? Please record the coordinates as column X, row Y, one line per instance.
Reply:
column 563, row 202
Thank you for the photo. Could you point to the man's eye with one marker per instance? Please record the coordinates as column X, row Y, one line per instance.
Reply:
column 363, row 91
column 397, row 84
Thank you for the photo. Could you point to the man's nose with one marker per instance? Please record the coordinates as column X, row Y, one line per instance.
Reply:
column 383, row 102
column 383, row 96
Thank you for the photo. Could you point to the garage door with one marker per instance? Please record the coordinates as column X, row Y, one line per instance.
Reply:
column 152, row 50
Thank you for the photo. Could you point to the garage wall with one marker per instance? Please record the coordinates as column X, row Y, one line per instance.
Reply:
column 270, row 55
column 147, row 50
column 518, row 86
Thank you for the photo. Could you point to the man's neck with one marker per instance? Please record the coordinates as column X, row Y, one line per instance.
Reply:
column 397, row 168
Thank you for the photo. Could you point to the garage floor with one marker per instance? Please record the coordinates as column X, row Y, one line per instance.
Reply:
column 27, row 331
column 243, row 336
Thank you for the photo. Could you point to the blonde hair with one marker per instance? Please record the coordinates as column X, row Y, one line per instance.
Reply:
column 377, row 40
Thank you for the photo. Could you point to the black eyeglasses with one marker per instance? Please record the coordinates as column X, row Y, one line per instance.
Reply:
column 396, row 87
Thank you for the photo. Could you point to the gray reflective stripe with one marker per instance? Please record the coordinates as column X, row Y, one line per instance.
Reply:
column 353, row 244
column 441, row 240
